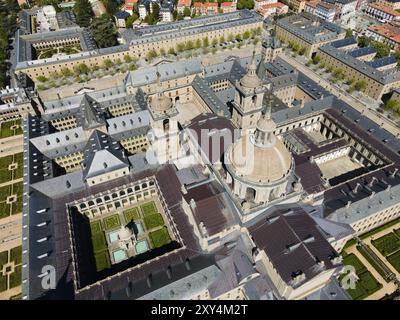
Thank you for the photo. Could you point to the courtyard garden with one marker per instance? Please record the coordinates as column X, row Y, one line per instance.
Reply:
column 389, row 247
column 10, row 268
column 131, row 214
column 10, row 199
column 11, row 167
column 49, row 52
column 387, row 244
column 366, row 283
column 10, row 128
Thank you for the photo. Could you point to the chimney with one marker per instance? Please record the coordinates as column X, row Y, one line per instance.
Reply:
column 348, row 204
column 192, row 204
column 371, row 183
column 183, row 189
column 372, row 194
column 203, row 229
column 355, row 190
column 394, row 173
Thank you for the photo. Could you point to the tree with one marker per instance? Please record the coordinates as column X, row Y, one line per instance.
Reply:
column 364, row 41
column 162, row 52
column 214, row 42
column 154, row 16
column 349, row 33
column 238, row 37
column 189, row 45
column 131, row 19
column 42, row 78
column 206, row 42
column 245, row 4
column 221, row 39
column 151, row 55
column 392, row 105
column 104, row 32
column 198, row 44
column 107, row 64
column 316, row 59
column 246, row 35
column 127, row 58
column 132, row 67
column 230, row 37
column 186, row 12
column 83, row 12
column 302, row 51
column 382, row 50
column 66, row 72
column 180, row 47
column 81, row 69
column 360, row 85
column 171, row 51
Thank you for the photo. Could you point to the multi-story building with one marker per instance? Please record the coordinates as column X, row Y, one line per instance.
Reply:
column 297, row 5
column 311, row 6
column 182, row 4
column 382, row 13
column 326, row 11
column 378, row 82
column 388, row 34
column 137, row 42
column 346, row 9
column 259, row 3
column 206, row 8
column 394, row 4
column 277, row 8
column 308, row 31
column 228, row 6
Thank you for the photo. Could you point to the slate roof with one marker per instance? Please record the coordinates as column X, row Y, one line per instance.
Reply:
column 294, row 244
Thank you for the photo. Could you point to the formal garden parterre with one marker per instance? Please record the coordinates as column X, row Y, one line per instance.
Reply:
column 149, row 228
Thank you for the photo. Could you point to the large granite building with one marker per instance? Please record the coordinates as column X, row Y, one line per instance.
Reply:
column 142, row 191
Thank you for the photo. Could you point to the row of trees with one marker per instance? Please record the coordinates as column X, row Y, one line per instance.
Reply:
column 296, row 48
column 382, row 50
column 8, row 26
column 338, row 74
column 205, row 43
column 83, row 70
column 392, row 106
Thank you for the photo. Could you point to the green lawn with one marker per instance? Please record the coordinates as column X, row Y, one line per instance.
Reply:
column 3, row 283
column 6, row 131
column 160, row 237
column 397, row 232
column 15, row 277
column 102, row 261
column 3, row 259
column 387, row 244
column 394, row 260
column 99, row 242
column 16, row 255
column 18, row 188
column 131, row 214
column 5, row 192
column 149, row 208
column 95, row 226
column 111, row 222
column 366, row 285
column 153, row 221
column 5, row 161
column 4, row 210
column 5, row 175
column 352, row 260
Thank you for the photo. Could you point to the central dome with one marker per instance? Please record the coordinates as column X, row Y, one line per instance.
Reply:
column 260, row 157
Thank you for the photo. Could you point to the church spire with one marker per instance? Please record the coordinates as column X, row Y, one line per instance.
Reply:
column 264, row 134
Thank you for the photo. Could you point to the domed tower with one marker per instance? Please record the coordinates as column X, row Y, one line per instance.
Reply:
column 164, row 139
column 259, row 166
column 249, row 95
